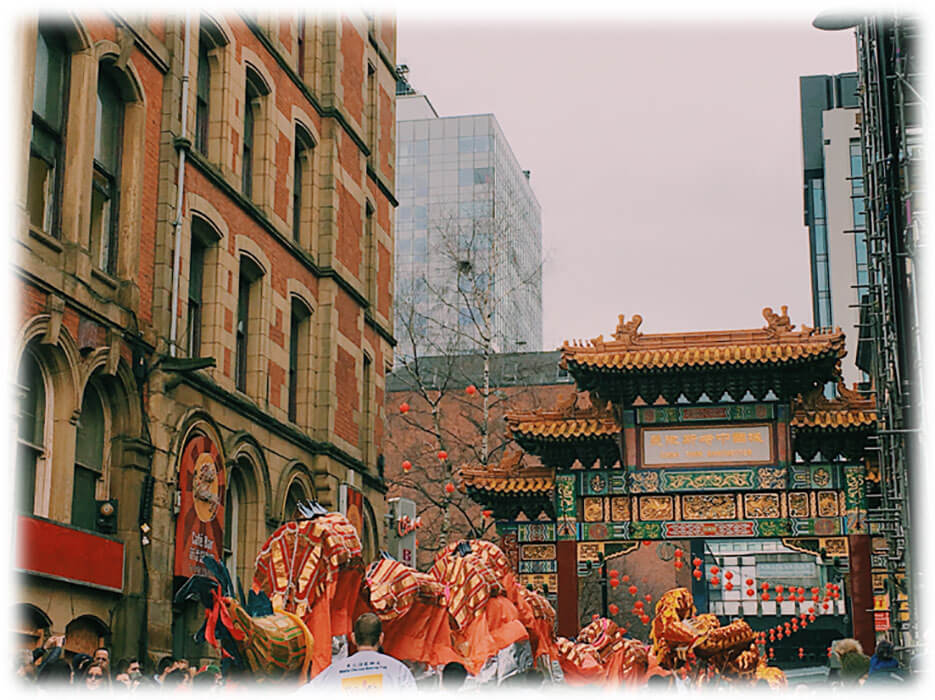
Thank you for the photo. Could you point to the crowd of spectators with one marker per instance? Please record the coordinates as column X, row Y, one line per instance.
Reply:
column 50, row 667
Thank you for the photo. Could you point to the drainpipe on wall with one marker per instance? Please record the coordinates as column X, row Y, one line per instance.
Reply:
column 180, row 188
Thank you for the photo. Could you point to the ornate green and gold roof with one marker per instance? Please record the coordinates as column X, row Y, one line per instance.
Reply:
column 566, row 433
column 775, row 357
column 509, row 487
column 833, row 427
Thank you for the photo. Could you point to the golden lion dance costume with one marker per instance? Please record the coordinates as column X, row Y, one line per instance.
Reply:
column 580, row 662
column 412, row 608
column 678, row 632
column 624, row 660
column 541, row 629
column 313, row 569
column 486, row 630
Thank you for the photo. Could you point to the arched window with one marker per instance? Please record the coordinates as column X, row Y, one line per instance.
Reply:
column 47, row 142
column 234, row 521
column 248, row 313
column 302, row 187
column 299, row 359
column 256, row 89
column 89, row 459
column 203, row 237
column 30, row 432
column 203, row 95
column 105, row 192
column 294, row 495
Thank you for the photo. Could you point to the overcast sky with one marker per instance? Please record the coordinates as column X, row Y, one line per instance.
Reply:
column 666, row 157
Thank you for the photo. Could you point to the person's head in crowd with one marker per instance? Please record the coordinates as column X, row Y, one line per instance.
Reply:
column 95, row 677
column 368, row 632
column 884, row 651
column 134, row 665
column 453, row 675
column 175, row 679
column 80, row 664
column 56, row 673
column 102, row 657
column 166, row 664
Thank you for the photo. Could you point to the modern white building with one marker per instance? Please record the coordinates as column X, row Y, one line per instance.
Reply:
column 834, row 207
column 468, row 236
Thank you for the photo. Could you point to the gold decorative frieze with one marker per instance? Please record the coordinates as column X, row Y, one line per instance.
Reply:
column 619, row 508
column 589, row 551
column 798, row 504
column 593, row 509
column 537, row 551
column 709, row 507
column 656, row 508
column 761, row 505
column 827, row 504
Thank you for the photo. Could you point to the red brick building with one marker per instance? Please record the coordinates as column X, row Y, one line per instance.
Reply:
column 204, row 261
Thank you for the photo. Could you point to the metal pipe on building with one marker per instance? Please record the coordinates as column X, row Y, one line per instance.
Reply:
column 180, row 188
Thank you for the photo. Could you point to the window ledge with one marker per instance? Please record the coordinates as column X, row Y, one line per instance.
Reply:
column 45, row 239
column 102, row 276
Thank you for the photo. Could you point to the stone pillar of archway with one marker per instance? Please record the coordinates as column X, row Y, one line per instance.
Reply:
column 861, row 591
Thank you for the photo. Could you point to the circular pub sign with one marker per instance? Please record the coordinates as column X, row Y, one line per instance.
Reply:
column 199, row 529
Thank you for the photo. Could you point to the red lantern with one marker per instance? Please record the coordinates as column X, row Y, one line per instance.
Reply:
column 728, row 586
column 678, row 554
column 646, row 543
column 404, row 407
column 626, row 577
column 779, row 598
column 749, row 581
column 811, row 610
column 638, row 605
column 764, row 586
column 487, row 513
column 751, row 592
column 648, row 598
column 829, row 651
column 714, row 570
column 613, row 573
column 824, row 605
column 728, row 575
column 811, row 618
column 801, row 652
column 632, row 589
column 696, row 562
column 800, row 590
column 765, row 595
column 442, row 455
column 614, row 582
column 779, row 588
column 715, row 581
column 644, row 619
column 697, row 574
column 471, row 390
column 770, row 652
column 678, row 563
column 613, row 608
column 778, row 634
column 407, row 465
column 449, row 487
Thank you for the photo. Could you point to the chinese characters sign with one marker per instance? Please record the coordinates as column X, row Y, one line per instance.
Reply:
column 736, row 444
column 200, row 525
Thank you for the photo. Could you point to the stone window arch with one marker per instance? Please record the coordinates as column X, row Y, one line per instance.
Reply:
column 257, row 122
column 303, row 187
column 92, row 456
column 211, row 76
column 300, row 362
column 49, row 118
column 202, row 273
column 85, row 634
column 31, row 429
column 299, row 487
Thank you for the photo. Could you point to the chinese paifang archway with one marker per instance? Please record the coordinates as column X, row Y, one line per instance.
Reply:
column 675, row 446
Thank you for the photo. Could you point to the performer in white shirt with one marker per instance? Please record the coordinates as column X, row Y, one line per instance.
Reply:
column 367, row 669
